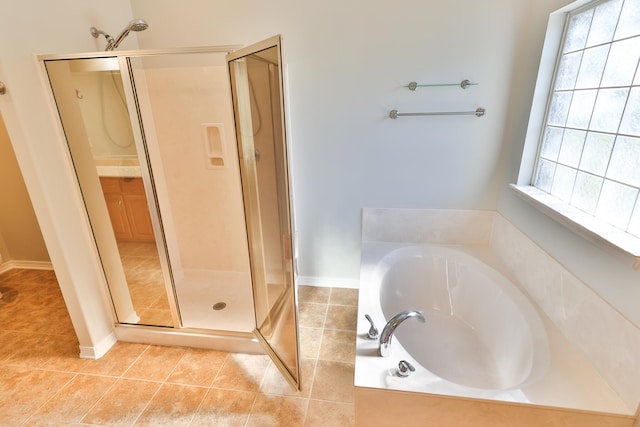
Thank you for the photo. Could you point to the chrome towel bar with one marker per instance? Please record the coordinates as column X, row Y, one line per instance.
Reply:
column 479, row 112
column 463, row 84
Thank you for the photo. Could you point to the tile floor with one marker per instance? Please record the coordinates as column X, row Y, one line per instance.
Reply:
column 44, row 383
column 146, row 283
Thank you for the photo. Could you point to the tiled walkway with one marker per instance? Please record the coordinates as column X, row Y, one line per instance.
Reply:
column 44, row 383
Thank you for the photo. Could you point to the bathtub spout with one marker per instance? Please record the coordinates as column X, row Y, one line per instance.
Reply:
column 384, row 349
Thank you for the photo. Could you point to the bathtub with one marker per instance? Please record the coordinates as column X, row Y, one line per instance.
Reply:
column 485, row 350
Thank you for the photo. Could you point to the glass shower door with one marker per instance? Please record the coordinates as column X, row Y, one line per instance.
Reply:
column 188, row 127
column 257, row 91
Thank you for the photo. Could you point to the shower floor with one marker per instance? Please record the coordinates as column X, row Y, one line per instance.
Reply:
column 199, row 290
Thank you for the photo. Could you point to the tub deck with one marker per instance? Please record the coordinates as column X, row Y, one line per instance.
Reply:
column 569, row 392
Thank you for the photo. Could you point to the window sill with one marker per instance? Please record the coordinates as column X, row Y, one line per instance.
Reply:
column 592, row 229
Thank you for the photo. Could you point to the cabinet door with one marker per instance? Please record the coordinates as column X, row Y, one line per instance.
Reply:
column 132, row 186
column 118, row 215
column 139, row 218
column 110, row 185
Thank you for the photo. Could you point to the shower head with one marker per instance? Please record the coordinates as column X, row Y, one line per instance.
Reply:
column 134, row 25
column 138, row 25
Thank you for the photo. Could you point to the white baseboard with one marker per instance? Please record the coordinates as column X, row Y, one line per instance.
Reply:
column 100, row 349
column 329, row 282
column 27, row 265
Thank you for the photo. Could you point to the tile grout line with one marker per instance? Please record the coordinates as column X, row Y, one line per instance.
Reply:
column 148, row 403
column 122, row 375
column 315, row 362
column 35, row 411
column 219, row 370
column 197, row 410
column 162, row 383
column 117, row 378
column 107, row 390
column 211, row 387
column 308, row 398
column 253, row 404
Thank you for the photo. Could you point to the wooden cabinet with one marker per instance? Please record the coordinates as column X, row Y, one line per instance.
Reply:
column 127, row 205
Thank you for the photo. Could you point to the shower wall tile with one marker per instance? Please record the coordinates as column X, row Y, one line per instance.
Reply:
column 605, row 337
column 427, row 226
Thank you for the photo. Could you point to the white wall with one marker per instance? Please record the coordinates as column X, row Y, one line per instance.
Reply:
column 32, row 27
column 346, row 64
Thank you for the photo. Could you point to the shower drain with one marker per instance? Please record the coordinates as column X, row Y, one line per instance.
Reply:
column 219, row 305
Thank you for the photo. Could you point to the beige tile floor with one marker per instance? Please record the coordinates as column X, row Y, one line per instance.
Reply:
column 44, row 383
column 146, row 283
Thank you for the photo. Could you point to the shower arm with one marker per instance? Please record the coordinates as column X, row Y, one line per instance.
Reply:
column 96, row 33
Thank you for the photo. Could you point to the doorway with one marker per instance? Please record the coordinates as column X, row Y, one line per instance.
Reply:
column 21, row 241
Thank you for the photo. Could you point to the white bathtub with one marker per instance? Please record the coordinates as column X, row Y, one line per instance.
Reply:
column 481, row 331
column 482, row 339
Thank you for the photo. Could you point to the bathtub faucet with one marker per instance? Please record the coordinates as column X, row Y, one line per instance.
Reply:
column 384, row 349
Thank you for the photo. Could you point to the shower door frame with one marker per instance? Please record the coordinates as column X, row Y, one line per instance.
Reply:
column 271, row 317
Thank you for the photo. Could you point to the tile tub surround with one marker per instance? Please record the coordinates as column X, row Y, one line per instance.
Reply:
column 427, row 226
column 44, row 382
column 606, row 338
column 490, row 228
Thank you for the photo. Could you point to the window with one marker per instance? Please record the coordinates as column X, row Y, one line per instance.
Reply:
column 581, row 163
column 589, row 154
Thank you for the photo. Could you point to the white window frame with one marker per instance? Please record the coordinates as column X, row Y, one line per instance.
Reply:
column 597, row 231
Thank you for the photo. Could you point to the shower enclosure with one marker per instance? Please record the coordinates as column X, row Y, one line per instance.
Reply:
column 181, row 159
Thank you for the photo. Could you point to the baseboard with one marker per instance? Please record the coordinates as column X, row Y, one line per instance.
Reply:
column 100, row 349
column 27, row 265
column 329, row 282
